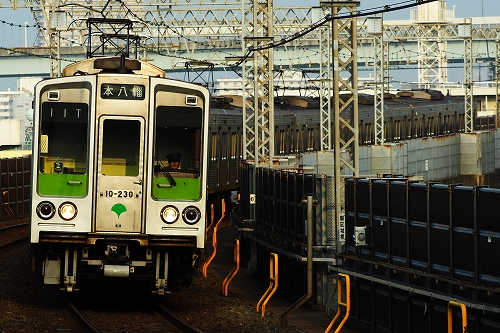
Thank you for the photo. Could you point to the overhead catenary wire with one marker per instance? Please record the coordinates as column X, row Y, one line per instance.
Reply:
column 328, row 18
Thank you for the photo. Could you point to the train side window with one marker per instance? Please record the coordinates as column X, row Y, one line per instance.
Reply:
column 63, row 137
column 213, row 147
column 177, row 129
column 234, row 146
column 63, row 153
column 224, row 146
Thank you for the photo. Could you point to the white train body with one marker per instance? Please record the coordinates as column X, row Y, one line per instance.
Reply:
column 105, row 205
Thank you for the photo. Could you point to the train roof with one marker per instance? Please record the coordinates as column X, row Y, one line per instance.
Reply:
column 120, row 65
column 405, row 105
column 305, row 109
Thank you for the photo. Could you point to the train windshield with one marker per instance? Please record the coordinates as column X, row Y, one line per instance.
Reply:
column 177, row 153
column 63, row 149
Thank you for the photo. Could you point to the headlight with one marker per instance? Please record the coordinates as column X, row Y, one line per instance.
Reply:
column 67, row 211
column 191, row 215
column 45, row 210
column 169, row 214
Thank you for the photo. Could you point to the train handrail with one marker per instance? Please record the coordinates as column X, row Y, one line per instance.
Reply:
column 273, row 284
column 214, row 240
column 347, row 303
column 163, row 185
column 452, row 304
column 234, row 270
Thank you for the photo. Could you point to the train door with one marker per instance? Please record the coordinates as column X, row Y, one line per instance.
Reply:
column 120, row 174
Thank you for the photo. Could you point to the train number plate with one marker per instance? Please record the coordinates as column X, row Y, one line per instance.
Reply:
column 119, row 194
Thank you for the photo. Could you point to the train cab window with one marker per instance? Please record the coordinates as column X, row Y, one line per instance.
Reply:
column 62, row 149
column 177, row 130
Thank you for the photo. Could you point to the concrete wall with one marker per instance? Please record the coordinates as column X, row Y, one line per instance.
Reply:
column 467, row 158
column 435, row 158
column 10, row 132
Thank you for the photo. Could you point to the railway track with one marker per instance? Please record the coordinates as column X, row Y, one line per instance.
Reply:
column 28, row 306
column 97, row 320
column 16, row 234
column 177, row 321
column 13, row 234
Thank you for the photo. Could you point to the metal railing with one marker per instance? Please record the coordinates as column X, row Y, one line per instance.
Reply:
column 15, row 184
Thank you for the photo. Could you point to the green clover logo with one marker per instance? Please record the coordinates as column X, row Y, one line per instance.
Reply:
column 119, row 209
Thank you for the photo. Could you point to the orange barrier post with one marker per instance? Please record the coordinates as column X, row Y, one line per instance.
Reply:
column 232, row 274
column 450, row 316
column 6, row 205
column 273, row 285
column 214, row 240
column 209, row 225
column 340, row 302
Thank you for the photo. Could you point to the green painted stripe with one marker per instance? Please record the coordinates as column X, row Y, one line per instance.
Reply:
column 57, row 184
column 186, row 189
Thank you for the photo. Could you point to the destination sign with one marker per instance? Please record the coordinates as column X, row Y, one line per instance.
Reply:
column 123, row 91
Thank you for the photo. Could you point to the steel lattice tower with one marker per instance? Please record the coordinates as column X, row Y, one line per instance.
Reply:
column 345, row 112
column 258, row 106
column 377, row 30
column 325, row 82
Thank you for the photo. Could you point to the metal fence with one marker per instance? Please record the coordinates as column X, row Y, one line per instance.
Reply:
column 423, row 244
column 272, row 214
column 15, row 183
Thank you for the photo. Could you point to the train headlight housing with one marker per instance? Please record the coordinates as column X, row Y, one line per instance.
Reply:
column 45, row 210
column 67, row 211
column 191, row 215
column 169, row 214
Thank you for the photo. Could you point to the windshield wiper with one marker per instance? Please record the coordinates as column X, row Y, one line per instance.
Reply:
column 167, row 174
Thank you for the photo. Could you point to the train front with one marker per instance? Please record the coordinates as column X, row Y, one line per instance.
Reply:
column 108, row 205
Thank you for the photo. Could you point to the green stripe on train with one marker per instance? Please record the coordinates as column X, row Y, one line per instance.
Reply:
column 64, row 185
column 185, row 189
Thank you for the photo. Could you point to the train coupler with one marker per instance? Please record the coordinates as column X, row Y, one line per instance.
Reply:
column 117, row 252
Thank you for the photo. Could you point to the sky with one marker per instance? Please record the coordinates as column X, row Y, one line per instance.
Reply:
column 12, row 35
column 463, row 8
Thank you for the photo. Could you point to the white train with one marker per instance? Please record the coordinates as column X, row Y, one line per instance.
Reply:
column 106, row 205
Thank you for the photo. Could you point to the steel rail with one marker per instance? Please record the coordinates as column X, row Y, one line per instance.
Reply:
column 13, row 226
column 172, row 318
column 16, row 242
column 79, row 317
